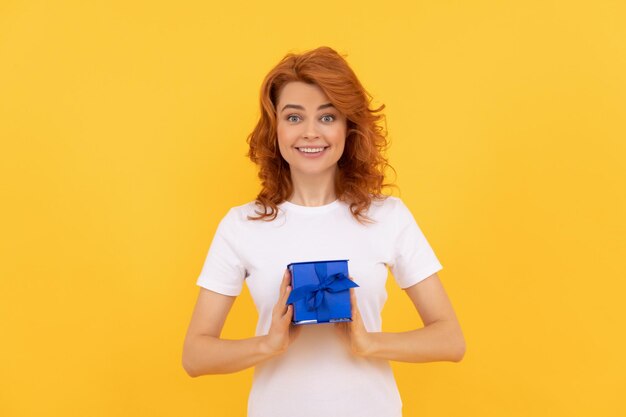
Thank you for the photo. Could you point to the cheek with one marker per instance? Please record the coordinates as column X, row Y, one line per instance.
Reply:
column 341, row 145
column 283, row 142
column 340, row 133
column 340, row 138
column 280, row 135
column 284, row 134
column 341, row 148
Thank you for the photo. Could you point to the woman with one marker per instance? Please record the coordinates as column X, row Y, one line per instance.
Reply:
column 319, row 149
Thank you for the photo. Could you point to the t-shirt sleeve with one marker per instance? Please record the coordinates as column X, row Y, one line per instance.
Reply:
column 413, row 259
column 223, row 270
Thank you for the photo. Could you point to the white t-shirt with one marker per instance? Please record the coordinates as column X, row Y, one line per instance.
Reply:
column 317, row 375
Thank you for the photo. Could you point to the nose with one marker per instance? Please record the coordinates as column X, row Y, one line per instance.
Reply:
column 310, row 129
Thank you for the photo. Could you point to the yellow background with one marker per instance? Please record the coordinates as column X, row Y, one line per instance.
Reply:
column 123, row 129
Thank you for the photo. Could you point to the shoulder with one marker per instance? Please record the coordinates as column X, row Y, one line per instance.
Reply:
column 241, row 211
column 231, row 222
column 239, row 215
column 391, row 212
column 386, row 201
column 385, row 207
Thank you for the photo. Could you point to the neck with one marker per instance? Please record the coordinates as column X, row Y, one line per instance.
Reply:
column 313, row 190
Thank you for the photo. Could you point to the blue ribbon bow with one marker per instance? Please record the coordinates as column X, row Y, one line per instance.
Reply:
column 315, row 293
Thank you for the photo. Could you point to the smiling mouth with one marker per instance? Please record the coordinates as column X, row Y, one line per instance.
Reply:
column 312, row 150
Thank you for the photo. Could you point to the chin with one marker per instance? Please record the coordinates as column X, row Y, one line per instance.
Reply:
column 314, row 171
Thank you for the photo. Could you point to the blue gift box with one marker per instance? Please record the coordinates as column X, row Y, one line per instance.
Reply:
column 320, row 291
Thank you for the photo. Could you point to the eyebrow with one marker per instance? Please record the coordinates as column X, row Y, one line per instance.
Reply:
column 299, row 107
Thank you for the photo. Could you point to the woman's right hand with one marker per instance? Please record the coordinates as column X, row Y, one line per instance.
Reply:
column 204, row 352
column 282, row 333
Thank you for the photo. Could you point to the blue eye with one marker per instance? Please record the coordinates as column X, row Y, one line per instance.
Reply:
column 330, row 116
column 289, row 118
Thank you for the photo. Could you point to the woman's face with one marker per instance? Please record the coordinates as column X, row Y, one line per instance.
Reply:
column 311, row 132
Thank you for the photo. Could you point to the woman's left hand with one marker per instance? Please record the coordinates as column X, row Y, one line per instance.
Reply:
column 354, row 332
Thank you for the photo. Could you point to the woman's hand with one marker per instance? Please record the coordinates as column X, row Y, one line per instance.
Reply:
column 354, row 332
column 282, row 333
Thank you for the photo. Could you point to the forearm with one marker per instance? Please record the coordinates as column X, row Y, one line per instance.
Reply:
column 204, row 355
column 439, row 341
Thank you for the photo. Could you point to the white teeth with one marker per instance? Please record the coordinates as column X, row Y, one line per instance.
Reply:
column 311, row 150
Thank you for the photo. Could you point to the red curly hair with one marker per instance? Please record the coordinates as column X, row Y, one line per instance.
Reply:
column 360, row 175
